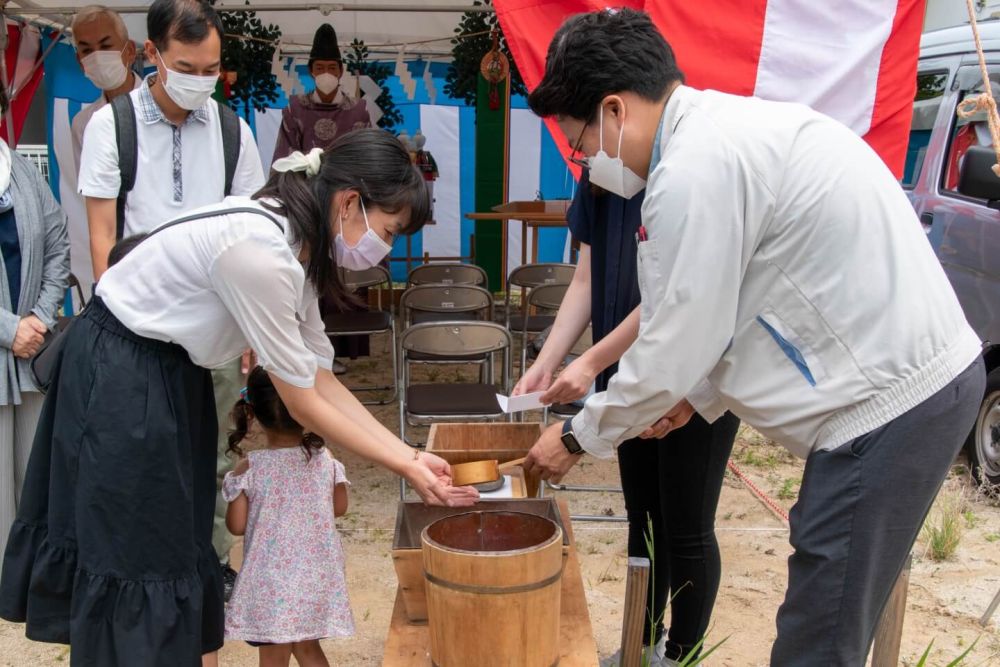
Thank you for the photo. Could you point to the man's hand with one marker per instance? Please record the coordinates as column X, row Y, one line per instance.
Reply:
column 677, row 417
column 572, row 384
column 549, row 458
column 29, row 337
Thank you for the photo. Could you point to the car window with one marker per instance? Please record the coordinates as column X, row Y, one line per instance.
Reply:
column 968, row 132
column 930, row 93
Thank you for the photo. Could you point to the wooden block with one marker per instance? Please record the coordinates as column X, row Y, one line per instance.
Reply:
column 634, row 618
column 889, row 632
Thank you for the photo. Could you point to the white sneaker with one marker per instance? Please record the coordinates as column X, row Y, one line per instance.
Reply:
column 655, row 656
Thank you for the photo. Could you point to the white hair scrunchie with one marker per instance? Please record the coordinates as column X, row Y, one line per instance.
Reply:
column 297, row 161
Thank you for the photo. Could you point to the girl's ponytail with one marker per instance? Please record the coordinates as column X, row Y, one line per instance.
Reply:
column 241, row 418
column 311, row 443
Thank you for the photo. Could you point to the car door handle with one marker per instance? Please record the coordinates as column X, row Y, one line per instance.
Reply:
column 927, row 221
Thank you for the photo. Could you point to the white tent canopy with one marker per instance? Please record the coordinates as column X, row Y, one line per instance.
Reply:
column 382, row 24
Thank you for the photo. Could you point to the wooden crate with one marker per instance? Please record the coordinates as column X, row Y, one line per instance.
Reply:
column 503, row 441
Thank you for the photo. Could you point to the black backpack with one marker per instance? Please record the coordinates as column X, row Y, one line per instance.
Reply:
column 128, row 149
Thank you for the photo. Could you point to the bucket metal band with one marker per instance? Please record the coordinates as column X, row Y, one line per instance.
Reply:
column 493, row 590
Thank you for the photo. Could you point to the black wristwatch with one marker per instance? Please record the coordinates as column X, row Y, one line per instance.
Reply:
column 569, row 440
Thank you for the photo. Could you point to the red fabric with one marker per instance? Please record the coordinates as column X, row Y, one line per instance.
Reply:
column 964, row 139
column 717, row 46
column 897, row 86
column 20, row 106
column 528, row 26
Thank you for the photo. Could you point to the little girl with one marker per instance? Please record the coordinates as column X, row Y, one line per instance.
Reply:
column 291, row 591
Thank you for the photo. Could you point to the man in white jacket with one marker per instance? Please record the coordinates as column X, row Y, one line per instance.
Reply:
column 784, row 277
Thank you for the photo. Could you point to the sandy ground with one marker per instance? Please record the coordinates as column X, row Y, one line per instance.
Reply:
column 946, row 598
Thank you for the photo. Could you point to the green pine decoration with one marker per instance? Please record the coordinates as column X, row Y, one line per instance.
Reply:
column 250, row 58
column 357, row 63
column 462, row 81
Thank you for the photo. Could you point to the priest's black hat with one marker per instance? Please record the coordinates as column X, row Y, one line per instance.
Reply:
column 325, row 45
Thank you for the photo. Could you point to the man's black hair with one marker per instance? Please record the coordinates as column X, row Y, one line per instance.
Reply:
column 599, row 54
column 187, row 21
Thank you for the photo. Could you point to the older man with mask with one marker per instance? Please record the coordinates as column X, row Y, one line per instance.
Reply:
column 107, row 56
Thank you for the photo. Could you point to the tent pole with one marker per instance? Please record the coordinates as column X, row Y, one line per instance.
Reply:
column 4, row 43
column 34, row 68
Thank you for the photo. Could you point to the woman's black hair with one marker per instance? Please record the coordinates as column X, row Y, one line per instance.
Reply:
column 370, row 161
column 4, row 100
column 261, row 401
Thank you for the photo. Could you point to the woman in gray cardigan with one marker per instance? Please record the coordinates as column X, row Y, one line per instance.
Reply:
column 34, row 272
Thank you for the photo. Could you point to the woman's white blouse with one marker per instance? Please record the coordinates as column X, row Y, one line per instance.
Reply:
column 219, row 285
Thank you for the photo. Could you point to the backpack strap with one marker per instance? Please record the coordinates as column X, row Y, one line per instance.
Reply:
column 126, row 138
column 214, row 214
column 229, row 122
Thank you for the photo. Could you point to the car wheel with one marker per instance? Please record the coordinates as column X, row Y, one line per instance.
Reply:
column 983, row 446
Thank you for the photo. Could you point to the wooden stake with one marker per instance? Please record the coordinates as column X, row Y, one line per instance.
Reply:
column 634, row 618
column 889, row 632
column 984, row 621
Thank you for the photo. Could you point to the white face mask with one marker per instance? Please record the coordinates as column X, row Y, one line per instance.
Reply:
column 368, row 252
column 326, row 83
column 610, row 173
column 188, row 91
column 105, row 69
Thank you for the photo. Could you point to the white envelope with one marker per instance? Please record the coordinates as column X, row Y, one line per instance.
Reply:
column 521, row 403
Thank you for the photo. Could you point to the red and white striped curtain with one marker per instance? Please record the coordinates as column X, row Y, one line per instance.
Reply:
column 854, row 60
column 23, row 50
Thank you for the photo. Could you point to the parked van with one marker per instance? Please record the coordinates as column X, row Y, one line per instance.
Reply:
column 956, row 195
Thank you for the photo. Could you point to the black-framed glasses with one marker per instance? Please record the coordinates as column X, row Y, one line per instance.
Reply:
column 582, row 162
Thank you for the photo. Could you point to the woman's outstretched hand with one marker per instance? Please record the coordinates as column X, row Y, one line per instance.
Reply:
column 430, row 477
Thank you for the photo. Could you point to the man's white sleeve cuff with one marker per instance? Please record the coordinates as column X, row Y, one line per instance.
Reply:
column 589, row 440
column 706, row 401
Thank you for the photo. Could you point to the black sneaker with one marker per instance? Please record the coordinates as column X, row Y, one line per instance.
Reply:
column 228, row 581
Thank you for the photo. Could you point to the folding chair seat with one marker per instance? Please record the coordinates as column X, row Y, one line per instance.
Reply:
column 368, row 322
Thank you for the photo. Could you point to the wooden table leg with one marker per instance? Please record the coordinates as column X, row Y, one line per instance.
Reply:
column 889, row 632
column 534, row 244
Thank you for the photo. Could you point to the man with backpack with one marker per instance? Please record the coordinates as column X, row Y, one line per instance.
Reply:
column 165, row 149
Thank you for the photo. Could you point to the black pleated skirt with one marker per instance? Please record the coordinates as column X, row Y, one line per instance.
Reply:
column 112, row 551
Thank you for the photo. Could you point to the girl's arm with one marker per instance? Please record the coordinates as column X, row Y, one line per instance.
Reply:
column 571, row 320
column 340, row 499
column 236, row 513
column 575, row 380
column 329, row 410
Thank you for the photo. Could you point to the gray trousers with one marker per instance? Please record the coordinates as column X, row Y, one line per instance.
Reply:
column 860, row 508
column 226, row 382
column 17, row 432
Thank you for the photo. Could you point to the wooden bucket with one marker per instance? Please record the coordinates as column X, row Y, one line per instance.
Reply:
column 493, row 585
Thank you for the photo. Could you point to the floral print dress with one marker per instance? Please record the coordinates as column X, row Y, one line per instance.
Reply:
column 292, row 586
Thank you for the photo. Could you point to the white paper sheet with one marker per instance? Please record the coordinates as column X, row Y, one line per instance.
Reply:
column 521, row 403
column 505, row 491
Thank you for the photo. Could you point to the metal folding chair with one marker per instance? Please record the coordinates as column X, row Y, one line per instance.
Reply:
column 447, row 273
column 524, row 279
column 368, row 322
column 452, row 401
